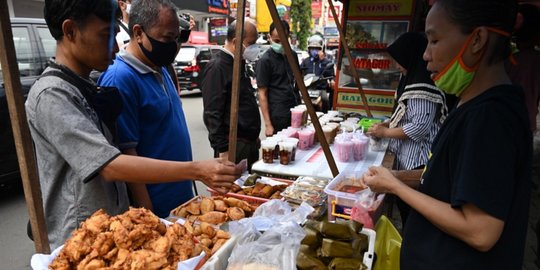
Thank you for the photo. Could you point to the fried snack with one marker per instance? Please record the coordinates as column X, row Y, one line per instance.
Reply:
column 233, row 202
column 217, row 245
column 194, row 208
column 208, row 229
column 207, row 205
column 222, row 234
column 134, row 240
column 213, row 217
column 276, row 195
column 235, row 188
column 266, row 191
column 220, row 205
column 235, row 213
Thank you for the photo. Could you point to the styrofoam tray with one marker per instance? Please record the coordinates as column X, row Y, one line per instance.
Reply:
column 220, row 260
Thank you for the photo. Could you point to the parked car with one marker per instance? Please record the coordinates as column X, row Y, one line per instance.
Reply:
column 190, row 63
column 34, row 45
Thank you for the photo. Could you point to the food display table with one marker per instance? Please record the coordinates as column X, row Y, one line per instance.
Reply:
column 312, row 162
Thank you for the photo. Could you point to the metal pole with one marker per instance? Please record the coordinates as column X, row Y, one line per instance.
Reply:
column 21, row 133
column 293, row 62
column 235, row 94
column 356, row 77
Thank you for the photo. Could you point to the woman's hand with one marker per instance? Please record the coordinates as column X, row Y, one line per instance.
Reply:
column 381, row 180
column 378, row 130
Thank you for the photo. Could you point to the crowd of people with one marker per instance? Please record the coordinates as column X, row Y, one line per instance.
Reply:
column 124, row 141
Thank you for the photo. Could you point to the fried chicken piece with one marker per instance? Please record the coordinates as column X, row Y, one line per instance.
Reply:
column 235, row 213
column 140, row 234
column 120, row 235
column 97, row 222
column 121, row 259
column 143, row 216
column 147, row 260
column 91, row 264
column 61, row 262
column 78, row 246
column 213, row 217
column 220, row 205
column 207, row 205
column 103, row 244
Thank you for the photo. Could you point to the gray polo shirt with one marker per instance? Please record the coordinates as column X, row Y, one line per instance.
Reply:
column 71, row 148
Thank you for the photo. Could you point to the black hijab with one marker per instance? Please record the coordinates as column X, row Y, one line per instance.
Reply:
column 408, row 50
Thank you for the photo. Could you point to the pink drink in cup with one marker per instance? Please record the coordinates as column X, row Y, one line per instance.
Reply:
column 344, row 149
column 304, row 137
column 296, row 117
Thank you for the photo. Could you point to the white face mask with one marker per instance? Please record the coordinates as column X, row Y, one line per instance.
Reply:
column 250, row 53
column 128, row 8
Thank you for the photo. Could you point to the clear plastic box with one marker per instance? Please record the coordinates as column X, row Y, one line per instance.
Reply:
column 340, row 203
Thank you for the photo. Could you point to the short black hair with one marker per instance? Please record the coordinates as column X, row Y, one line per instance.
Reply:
column 530, row 28
column 469, row 14
column 231, row 31
column 285, row 26
column 57, row 11
column 146, row 13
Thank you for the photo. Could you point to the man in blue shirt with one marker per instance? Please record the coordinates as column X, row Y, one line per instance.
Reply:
column 152, row 123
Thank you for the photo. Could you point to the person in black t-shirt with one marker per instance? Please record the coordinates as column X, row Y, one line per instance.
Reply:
column 471, row 207
column 275, row 82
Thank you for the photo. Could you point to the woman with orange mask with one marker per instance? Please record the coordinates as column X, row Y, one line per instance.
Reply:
column 470, row 210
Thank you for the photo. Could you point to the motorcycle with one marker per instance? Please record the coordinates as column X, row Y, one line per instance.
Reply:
column 316, row 90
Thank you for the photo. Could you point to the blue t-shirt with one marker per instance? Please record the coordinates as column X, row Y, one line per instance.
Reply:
column 152, row 122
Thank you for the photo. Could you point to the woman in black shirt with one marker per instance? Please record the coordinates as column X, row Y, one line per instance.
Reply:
column 471, row 207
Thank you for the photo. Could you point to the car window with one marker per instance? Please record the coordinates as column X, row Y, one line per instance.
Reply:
column 23, row 51
column 186, row 54
column 48, row 42
column 205, row 54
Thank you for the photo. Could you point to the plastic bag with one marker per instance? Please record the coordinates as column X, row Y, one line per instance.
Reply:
column 276, row 249
column 277, row 211
column 387, row 245
column 362, row 206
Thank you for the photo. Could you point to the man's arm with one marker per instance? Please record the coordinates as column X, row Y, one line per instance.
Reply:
column 218, row 174
column 138, row 190
column 263, row 103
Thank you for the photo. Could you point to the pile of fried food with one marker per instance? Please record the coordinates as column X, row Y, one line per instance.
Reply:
column 260, row 190
column 136, row 239
column 214, row 210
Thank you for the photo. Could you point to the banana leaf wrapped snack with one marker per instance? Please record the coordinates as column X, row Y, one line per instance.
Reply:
column 346, row 264
column 336, row 248
column 339, row 245
column 308, row 262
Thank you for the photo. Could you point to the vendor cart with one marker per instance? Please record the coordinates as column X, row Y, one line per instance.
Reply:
column 369, row 27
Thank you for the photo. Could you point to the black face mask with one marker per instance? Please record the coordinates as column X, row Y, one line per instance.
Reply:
column 162, row 54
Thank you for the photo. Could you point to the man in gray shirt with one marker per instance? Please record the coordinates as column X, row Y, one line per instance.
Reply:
column 80, row 170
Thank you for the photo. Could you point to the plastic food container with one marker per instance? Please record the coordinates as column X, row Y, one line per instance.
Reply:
column 220, row 260
column 341, row 196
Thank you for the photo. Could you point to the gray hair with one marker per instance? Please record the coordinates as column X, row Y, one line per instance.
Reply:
column 146, row 13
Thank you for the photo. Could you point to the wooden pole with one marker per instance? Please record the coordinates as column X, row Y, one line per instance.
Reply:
column 356, row 77
column 293, row 62
column 21, row 133
column 237, row 65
